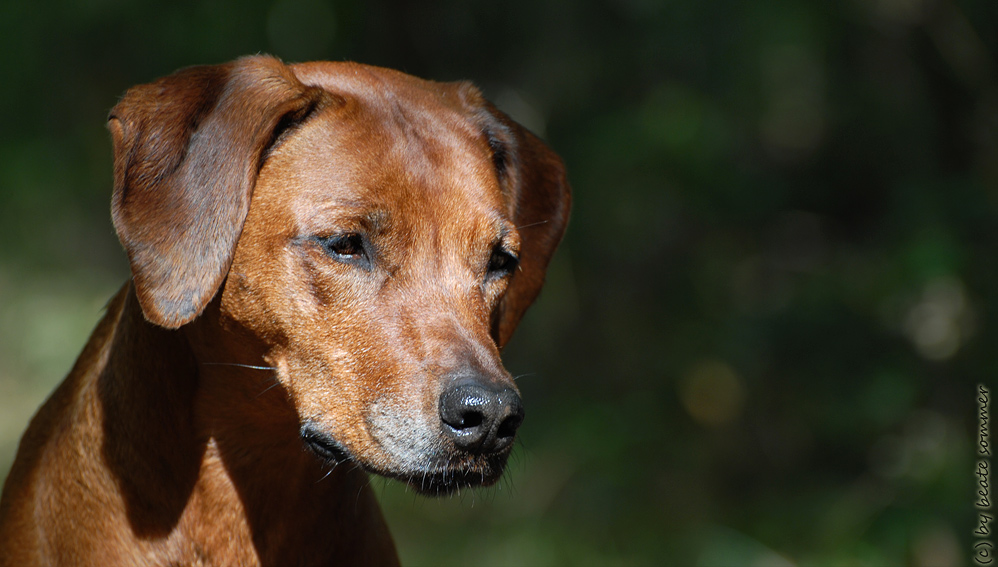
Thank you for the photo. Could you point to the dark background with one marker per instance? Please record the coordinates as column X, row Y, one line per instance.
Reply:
column 762, row 336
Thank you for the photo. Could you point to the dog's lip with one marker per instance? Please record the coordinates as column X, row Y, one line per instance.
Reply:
column 469, row 472
column 323, row 445
column 446, row 482
column 448, row 475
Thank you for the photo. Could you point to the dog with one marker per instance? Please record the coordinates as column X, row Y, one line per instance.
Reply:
column 326, row 261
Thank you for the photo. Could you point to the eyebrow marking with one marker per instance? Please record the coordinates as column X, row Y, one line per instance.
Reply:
column 500, row 152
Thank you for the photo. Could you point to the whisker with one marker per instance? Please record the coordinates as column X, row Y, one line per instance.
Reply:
column 531, row 224
column 329, row 472
column 239, row 365
column 275, row 384
column 524, row 375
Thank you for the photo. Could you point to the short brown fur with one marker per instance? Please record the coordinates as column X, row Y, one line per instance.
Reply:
column 177, row 438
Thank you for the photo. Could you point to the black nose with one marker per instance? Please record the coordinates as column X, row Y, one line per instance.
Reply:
column 480, row 417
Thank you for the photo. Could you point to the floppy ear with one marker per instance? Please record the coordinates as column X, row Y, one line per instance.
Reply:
column 538, row 198
column 187, row 149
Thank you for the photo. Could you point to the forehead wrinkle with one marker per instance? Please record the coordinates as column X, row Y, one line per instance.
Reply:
column 430, row 157
column 421, row 128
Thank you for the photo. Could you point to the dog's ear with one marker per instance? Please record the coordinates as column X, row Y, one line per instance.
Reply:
column 539, row 199
column 187, row 149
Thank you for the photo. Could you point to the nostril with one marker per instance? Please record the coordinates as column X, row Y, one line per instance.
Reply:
column 507, row 429
column 468, row 420
column 464, row 407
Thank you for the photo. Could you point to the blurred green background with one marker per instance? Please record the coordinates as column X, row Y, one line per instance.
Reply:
column 760, row 340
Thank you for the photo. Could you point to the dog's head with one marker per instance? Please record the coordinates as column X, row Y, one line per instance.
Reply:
column 378, row 234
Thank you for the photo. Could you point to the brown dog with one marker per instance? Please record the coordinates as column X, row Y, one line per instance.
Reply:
column 326, row 260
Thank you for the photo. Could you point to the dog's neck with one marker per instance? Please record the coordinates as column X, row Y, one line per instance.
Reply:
column 229, row 431
column 146, row 393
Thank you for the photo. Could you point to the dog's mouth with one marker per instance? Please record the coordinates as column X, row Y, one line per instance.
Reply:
column 440, row 475
column 323, row 446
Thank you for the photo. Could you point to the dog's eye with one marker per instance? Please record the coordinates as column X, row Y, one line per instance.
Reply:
column 345, row 247
column 502, row 263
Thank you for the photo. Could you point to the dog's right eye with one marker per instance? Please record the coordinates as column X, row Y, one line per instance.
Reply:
column 502, row 263
column 344, row 247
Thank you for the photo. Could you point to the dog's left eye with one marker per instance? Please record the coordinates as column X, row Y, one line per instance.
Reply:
column 502, row 263
column 344, row 247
